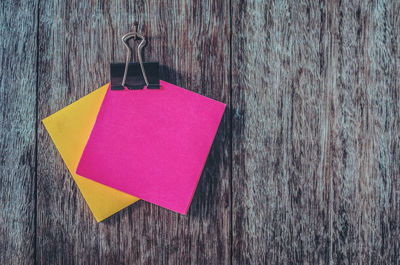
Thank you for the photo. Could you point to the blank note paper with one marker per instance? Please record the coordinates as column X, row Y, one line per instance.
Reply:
column 70, row 129
column 152, row 144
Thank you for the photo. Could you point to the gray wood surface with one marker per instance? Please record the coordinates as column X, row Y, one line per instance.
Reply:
column 306, row 163
column 315, row 132
column 18, row 82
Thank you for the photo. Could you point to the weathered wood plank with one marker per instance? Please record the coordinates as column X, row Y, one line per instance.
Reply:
column 77, row 40
column 315, row 132
column 18, row 59
column 280, row 193
column 364, row 155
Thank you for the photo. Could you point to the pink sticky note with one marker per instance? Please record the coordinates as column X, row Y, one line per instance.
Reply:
column 152, row 143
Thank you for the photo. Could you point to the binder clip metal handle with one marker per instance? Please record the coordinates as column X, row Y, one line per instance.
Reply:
column 125, row 40
column 134, row 73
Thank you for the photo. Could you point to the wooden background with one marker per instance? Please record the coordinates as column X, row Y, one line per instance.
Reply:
column 304, row 169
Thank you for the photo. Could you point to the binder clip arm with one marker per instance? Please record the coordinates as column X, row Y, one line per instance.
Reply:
column 134, row 75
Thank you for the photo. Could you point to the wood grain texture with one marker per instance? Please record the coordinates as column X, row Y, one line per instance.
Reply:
column 78, row 40
column 364, row 133
column 18, row 60
column 280, row 194
column 315, row 132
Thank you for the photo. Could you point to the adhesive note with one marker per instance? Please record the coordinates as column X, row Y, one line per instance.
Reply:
column 152, row 143
column 69, row 129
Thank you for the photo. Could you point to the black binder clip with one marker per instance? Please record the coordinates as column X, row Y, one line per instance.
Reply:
column 134, row 75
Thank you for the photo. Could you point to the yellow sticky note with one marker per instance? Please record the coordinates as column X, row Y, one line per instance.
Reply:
column 70, row 130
